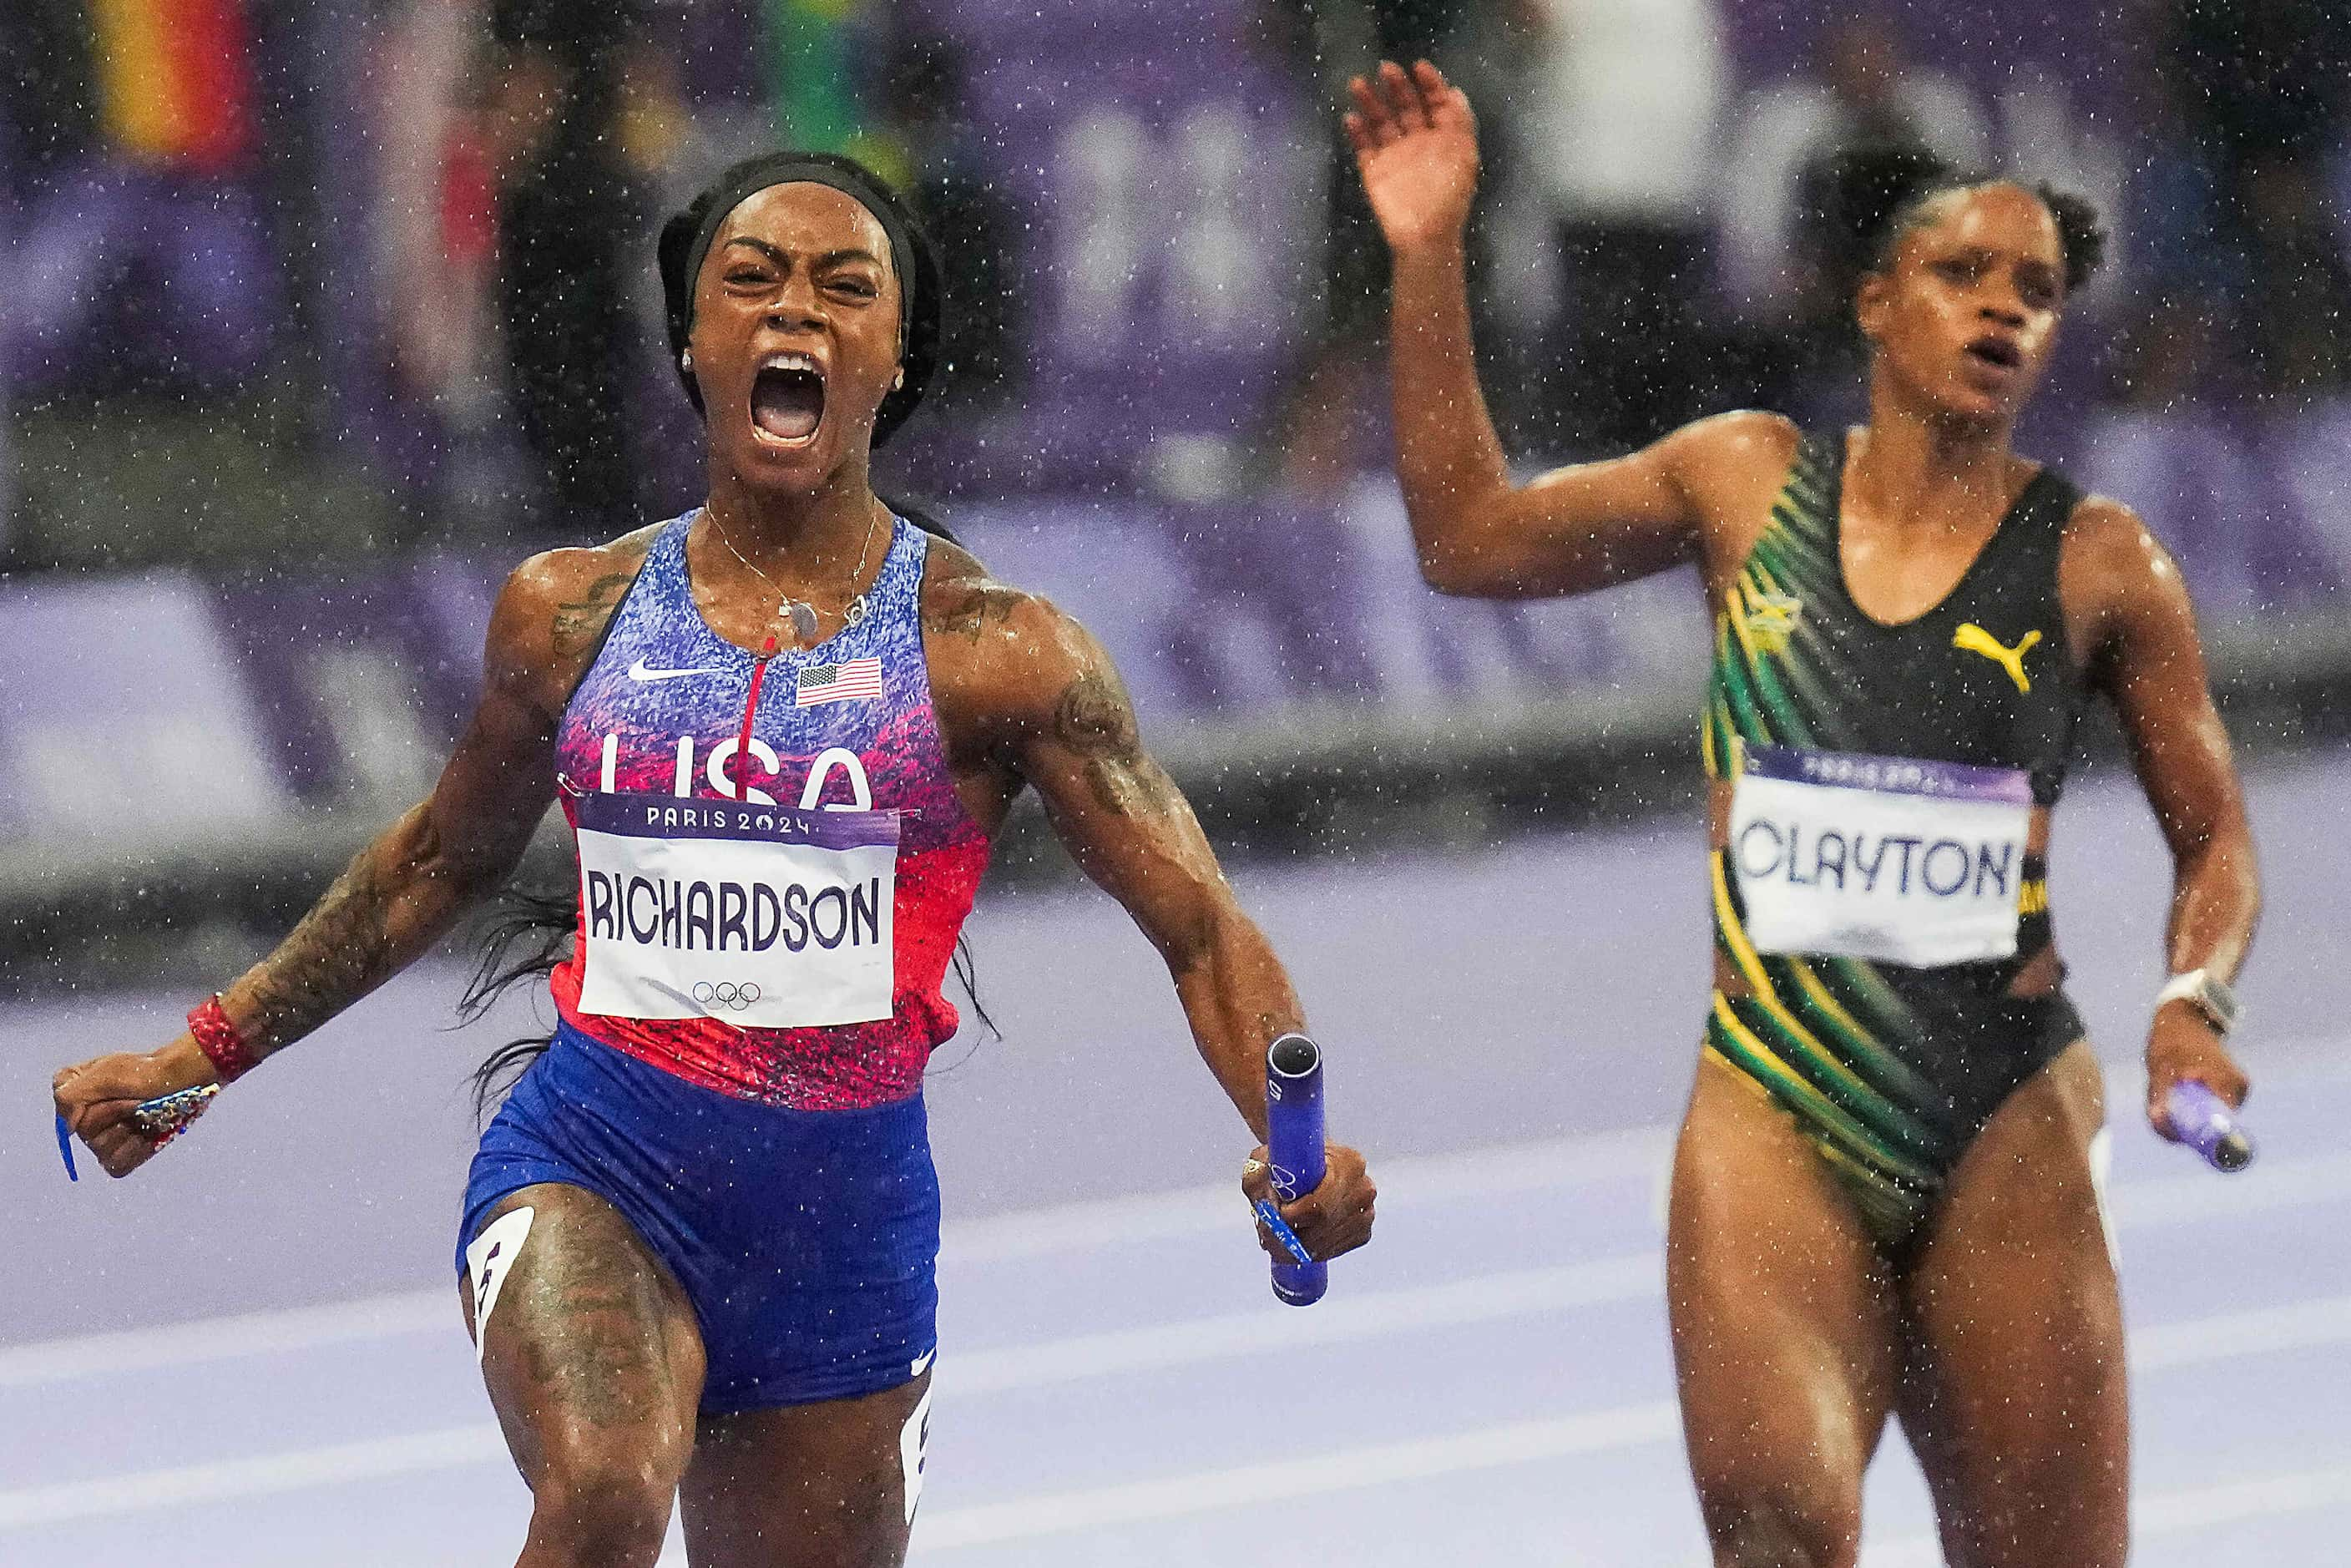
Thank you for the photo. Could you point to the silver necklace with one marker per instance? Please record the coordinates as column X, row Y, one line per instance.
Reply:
column 799, row 611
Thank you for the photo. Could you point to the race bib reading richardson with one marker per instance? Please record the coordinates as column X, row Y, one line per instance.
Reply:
column 761, row 916
column 1890, row 858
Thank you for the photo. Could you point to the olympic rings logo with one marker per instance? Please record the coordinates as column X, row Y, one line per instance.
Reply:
column 726, row 994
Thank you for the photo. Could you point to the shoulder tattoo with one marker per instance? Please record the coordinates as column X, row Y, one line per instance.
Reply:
column 968, row 611
column 578, row 623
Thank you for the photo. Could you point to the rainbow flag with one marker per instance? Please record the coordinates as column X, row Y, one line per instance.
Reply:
column 175, row 83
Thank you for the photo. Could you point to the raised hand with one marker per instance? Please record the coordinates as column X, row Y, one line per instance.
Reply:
column 1416, row 144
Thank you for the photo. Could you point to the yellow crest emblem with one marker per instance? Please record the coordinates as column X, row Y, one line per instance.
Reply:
column 1769, row 619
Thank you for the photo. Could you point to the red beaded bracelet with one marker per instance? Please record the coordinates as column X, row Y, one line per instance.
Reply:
column 219, row 1039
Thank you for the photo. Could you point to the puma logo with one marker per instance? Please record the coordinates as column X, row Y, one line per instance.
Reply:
column 1973, row 639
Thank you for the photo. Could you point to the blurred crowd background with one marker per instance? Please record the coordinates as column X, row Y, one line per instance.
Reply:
column 321, row 312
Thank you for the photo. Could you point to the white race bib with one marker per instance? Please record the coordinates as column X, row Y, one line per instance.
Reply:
column 761, row 916
column 1907, row 861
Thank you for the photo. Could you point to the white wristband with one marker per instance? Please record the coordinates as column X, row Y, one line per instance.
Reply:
column 2211, row 998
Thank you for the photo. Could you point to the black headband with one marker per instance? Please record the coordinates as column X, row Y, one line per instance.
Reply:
column 686, row 238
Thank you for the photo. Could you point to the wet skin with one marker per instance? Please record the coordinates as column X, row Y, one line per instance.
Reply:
column 591, row 1355
column 1997, row 1340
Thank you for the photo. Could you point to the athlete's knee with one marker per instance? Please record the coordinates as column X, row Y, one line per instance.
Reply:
column 2069, row 1506
column 1753, row 1522
column 2061, row 1535
column 604, row 1503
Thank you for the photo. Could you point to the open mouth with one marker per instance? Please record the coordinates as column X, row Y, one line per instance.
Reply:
column 787, row 398
column 1996, row 352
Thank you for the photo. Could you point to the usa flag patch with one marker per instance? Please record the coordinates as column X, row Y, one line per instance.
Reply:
column 851, row 680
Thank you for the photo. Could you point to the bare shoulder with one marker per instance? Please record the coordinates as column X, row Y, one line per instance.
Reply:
column 550, row 615
column 1724, row 463
column 1004, row 657
column 1728, row 467
column 962, row 603
column 566, row 585
column 2119, row 584
column 2103, row 533
column 1741, row 443
column 2111, row 559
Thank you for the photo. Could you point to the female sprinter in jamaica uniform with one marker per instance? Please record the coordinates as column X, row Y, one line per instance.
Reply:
column 1883, row 1197
column 698, row 1240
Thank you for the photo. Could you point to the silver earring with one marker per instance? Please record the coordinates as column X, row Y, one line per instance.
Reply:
column 685, row 361
column 898, row 381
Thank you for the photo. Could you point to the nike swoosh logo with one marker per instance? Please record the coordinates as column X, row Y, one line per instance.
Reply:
column 638, row 672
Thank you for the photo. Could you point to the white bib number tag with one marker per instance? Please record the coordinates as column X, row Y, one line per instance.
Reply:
column 761, row 916
column 1905, row 862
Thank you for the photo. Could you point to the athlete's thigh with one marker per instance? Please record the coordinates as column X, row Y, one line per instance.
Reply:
column 2015, row 1396
column 1784, row 1331
column 830, row 1485
column 589, row 1347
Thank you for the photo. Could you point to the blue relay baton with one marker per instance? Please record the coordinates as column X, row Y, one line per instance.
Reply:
column 2205, row 1124
column 1293, row 1139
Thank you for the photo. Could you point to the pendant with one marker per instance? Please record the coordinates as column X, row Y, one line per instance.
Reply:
column 803, row 620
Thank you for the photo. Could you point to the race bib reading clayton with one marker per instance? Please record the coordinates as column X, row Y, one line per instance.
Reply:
column 761, row 916
column 1890, row 858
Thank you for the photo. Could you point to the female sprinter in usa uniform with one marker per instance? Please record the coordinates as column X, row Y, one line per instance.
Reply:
column 1883, row 1197
column 698, row 1240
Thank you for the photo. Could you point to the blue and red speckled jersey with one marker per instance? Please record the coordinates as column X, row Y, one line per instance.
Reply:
column 659, row 713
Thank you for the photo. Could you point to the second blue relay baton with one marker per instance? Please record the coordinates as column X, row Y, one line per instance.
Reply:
column 1293, row 1139
column 2205, row 1124
column 164, row 1118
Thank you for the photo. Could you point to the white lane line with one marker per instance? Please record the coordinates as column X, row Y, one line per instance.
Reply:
column 2192, row 1193
column 273, row 1333
column 2174, row 1512
column 2185, row 1196
column 2177, row 1512
column 2260, row 1331
column 1338, row 1320
column 1627, row 1154
column 1216, row 1491
column 147, row 1490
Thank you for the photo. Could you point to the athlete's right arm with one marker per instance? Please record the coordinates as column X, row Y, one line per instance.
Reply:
column 1578, row 528
column 407, row 888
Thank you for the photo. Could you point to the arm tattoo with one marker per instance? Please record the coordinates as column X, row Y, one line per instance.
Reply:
column 1094, row 719
column 341, row 950
column 579, row 624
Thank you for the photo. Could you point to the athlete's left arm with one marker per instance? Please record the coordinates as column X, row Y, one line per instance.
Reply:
column 2147, row 657
column 1069, row 729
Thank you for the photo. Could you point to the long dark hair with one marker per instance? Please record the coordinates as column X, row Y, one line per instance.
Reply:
column 528, row 932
